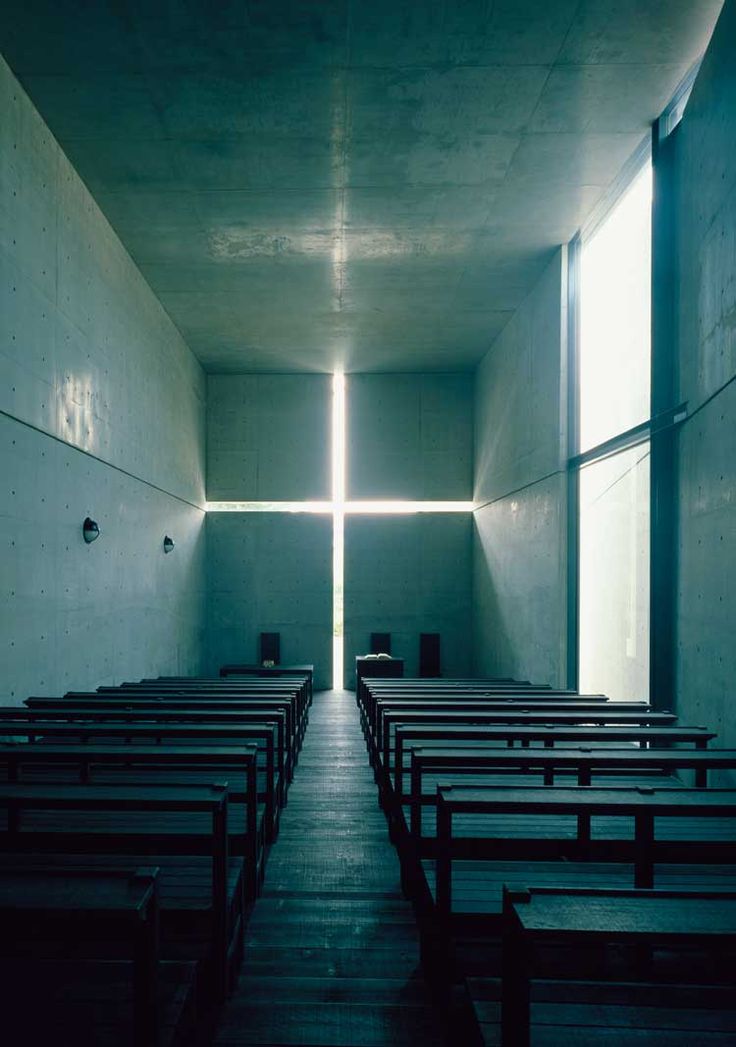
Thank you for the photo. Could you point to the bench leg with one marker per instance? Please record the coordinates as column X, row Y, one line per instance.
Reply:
column 145, row 980
column 515, row 995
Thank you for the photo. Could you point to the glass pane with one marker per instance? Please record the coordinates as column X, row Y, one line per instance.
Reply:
column 614, row 576
column 615, row 288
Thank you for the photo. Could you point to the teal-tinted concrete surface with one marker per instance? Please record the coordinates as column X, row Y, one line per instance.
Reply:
column 519, row 541
column 270, row 572
column 359, row 182
column 102, row 415
column 705, row 164
column 408, row 575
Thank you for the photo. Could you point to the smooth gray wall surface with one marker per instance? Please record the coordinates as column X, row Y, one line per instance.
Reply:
column 75, row 616
column 409, row 575
column 519, row 559
column 706, row 356
column 270, row 572
column 103, row 415
column 410, row 436
column 268, row 437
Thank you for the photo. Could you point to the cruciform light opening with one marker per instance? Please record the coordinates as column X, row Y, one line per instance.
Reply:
column 338, row 507
column 338, row 526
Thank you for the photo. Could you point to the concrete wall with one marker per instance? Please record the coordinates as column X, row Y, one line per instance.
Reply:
column 519, row 560
column 706, row 356
column 270, row 572
column 407, row 575
column 102, row 410
column 410, row 436
column 268, row 437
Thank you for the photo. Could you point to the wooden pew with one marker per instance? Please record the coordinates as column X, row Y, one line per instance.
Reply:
column 549, row 735
column 27, row 725
column 296, row 691
column 41, row 905
column 103, row 820
column 510, row 692
column 407, row 685
column 430, row 767
column 159, row 765
column 245, row 670
column 164, row 713
column 496, row 851
column 48, row 708
column 298, row 710
column 388, row 714
column 535, row 917
column 297, row 699
column 499, row 702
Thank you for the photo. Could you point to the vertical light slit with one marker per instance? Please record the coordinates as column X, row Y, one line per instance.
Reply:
column 338, row 525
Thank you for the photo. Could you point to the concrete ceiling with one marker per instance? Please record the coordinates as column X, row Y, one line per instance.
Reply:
column 372, row 183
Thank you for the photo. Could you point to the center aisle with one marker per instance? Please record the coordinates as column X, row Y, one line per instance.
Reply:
column 331, row 950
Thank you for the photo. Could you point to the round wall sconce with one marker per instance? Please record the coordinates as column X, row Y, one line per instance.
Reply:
column 90, row 530
column 168, row 544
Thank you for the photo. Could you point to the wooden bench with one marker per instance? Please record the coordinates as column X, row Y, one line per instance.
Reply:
column 166, row 714
column 296, row 671
column 297, row 692
column 370, row 690
column 65, row 708
column 294, row 691
column 390, row 718
column 550, row 829
column 388, row 714
column 428, row 698
column 106, row 820
column 27, row 724
column 497, row 703
column 537, row 917
column 159, row 764
column 38, row 905
column 429, row 766
column 551, row 735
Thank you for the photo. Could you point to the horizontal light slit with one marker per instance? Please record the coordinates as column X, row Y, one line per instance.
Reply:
column 354, row 508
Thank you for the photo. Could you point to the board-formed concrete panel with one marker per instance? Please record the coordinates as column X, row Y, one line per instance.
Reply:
column 518, row 394
column 303, row 154
column 268, row 437
column 705, row 161
column 102, row 415
column 87, row 353
column 270, row 572
column 519, row 558
column 75, row 616
column 519, row 585
column 410, row 436
column 408, row 575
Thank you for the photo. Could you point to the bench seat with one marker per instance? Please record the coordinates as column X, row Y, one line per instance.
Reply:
column 205, row 886
column 600, row 1014
column 585, row 924
column 87, row 1003
column 477, row 886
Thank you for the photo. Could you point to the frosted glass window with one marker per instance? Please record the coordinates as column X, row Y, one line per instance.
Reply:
column 614, row 576
column 615, row 292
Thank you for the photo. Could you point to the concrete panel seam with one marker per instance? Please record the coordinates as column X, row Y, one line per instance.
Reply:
column 518, row 490
column 102, row 461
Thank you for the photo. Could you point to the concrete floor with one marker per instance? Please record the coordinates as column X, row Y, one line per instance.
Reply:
column 331, row 952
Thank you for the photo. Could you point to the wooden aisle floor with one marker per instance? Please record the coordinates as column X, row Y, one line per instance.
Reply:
column 331, row 951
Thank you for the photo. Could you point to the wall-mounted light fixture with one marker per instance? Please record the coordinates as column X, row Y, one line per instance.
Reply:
column 168, row 544
column 90, row 530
